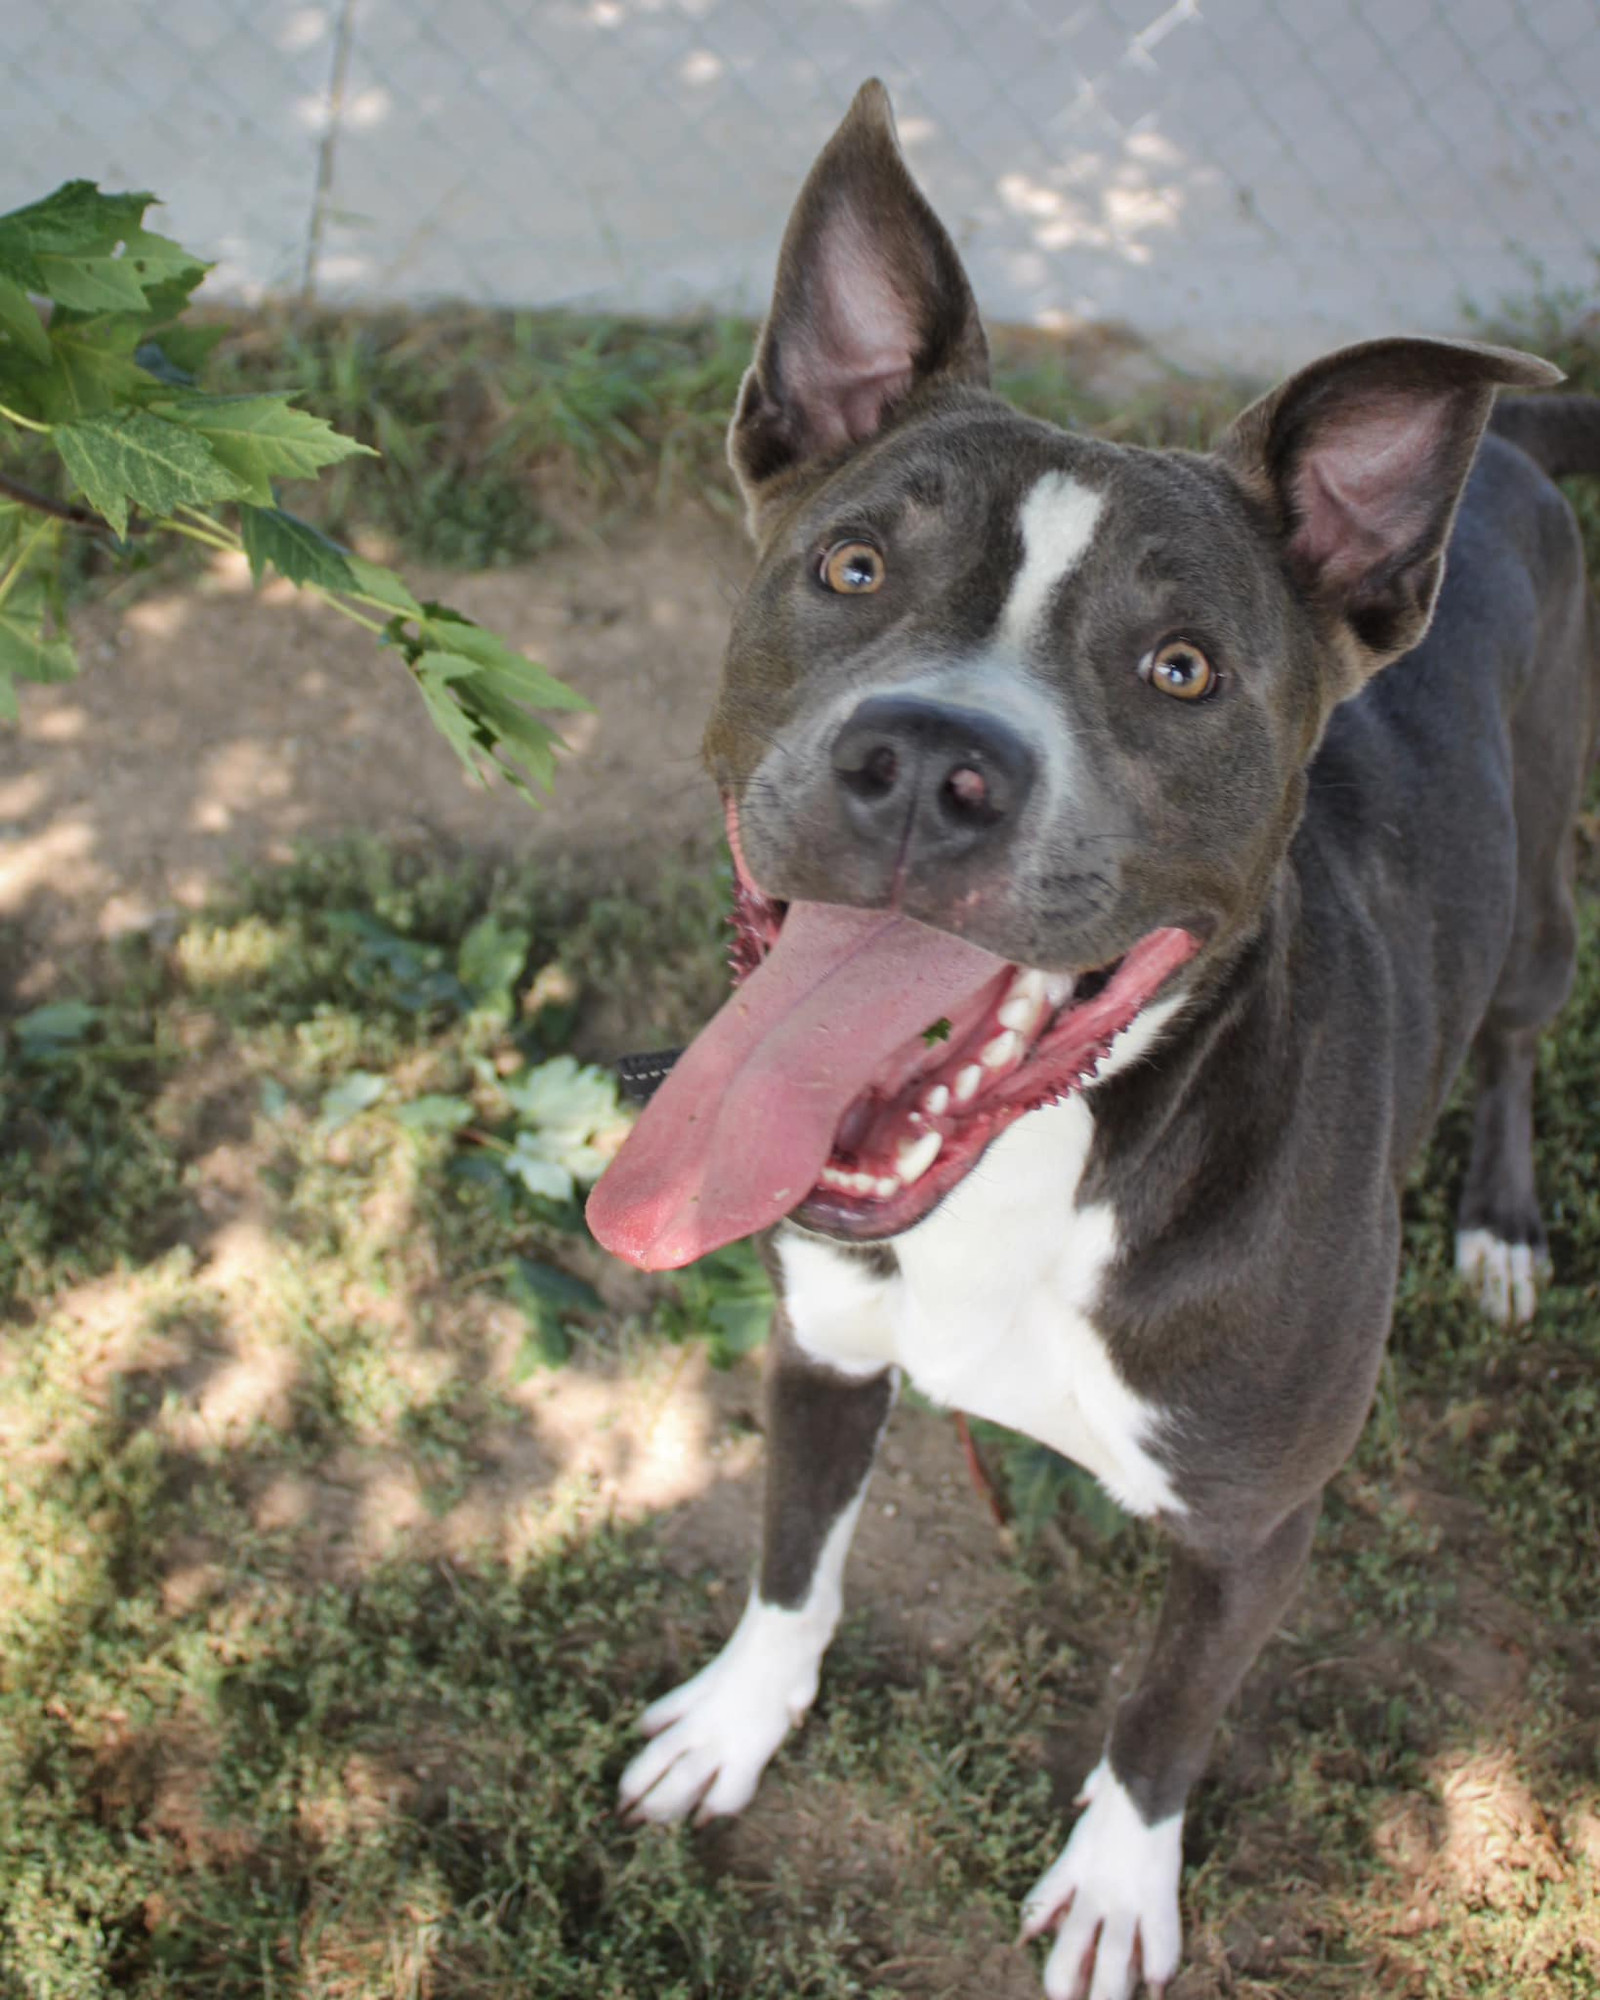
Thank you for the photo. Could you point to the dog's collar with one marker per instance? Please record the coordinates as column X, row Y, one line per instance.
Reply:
column 640, row 1077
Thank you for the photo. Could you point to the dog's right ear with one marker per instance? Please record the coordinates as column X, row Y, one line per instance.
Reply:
column 871, row 302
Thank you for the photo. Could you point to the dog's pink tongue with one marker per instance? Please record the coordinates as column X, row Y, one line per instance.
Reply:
column 746, row 1118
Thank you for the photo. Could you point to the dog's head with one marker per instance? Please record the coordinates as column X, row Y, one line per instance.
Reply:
column 1014, row 723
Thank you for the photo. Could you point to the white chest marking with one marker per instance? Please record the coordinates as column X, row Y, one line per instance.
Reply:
column 990, row 1311
column 1057, row 520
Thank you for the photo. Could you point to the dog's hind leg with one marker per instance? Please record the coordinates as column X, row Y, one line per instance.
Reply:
column 1500, row 1240
column 714, row 1736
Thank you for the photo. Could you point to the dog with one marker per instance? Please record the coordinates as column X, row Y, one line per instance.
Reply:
column 1130, row 846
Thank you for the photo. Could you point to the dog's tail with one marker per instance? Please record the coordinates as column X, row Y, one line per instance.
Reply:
column 1559, row 433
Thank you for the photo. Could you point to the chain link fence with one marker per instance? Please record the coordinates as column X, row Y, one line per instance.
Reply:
column 1239, row 181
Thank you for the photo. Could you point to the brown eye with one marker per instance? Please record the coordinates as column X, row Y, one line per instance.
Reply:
column 854, row 569
column 1180, row 669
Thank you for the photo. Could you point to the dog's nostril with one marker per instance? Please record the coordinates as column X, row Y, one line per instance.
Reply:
column 876, row 775
column 966, row 790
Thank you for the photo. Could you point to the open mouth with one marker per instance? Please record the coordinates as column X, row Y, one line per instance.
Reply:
column 1026, row 1039
column 857, row 1072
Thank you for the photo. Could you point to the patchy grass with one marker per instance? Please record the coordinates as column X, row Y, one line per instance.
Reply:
column 499, row 432
column 319, row 1651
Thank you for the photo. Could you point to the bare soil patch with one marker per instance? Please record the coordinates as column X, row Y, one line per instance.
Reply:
column 214, row 725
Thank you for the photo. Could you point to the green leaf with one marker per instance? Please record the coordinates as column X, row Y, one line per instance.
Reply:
column 533, row 1161
column 548, row 1346
column 98, row 282
column 413, row 971
column 184, row 349
column 17, row 261
column 166, row 271
column 372, row 580
column 553, row 1287
column 92, row 369
column 727, row 1298
column 26, row 654
column 21, row 320
column 516, row 737
column 434, row 1113
column 262, row 438
column 562, row 1096
column 141, row 458
column 89, row 251
column 490, row 958
column 735, row 1327
column 448, row 717
column 525, row 679
column 350, row 1096
column 546, row 1296
column 479, row 723
column 77, row 217
column 294, row 548
column 50, row 1030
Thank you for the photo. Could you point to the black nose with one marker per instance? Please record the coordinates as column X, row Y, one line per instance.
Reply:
column 943, row 779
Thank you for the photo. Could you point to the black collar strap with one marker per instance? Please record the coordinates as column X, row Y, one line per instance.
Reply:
column 640, row 1077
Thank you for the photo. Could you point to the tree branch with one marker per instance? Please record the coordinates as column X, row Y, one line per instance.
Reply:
column 61, row 510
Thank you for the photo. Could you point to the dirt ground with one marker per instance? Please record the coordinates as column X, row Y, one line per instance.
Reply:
column 214, row 725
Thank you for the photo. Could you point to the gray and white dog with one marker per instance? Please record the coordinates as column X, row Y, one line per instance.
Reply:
column 1130, row 847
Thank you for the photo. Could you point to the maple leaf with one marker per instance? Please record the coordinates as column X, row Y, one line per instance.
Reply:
column 137, row 458
column 262, row 438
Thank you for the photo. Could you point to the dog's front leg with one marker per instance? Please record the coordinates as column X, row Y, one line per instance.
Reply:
column 1112, row 1895
column 714, row 1735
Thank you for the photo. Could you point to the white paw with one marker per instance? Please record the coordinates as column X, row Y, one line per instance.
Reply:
column 1112, row 1899
column 715, row 1735
column 1501, row 1276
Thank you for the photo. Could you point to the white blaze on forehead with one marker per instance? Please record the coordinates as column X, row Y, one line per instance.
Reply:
column 1057, row 521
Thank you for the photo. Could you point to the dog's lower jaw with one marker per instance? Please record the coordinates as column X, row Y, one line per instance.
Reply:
column 1111, row 1897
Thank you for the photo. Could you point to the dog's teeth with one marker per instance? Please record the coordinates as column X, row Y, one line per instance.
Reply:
column 886, row 1187
column 1002, row 1051
column 968, row 1083
column 916, row 1156
column 1021, row 1012
column 863, row 1183
column 1059, row 987
column 1025, row 1002
column 834, row 1177
column 937, row 1101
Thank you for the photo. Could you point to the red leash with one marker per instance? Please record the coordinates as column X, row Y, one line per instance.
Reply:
column 982, row 1478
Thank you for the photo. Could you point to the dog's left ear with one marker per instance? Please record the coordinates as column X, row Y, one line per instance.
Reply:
column 871, row 302
column 1361, row 459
